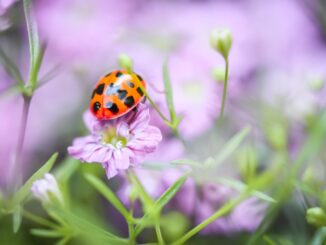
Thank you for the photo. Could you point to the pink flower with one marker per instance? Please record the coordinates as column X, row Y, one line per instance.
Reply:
column 117, row 144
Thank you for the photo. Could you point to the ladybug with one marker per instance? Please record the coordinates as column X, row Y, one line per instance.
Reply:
column 116, row 94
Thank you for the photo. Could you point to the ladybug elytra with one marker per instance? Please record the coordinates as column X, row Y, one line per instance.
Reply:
column 116, row 94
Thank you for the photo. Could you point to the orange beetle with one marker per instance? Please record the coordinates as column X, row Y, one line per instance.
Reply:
column 116, row 94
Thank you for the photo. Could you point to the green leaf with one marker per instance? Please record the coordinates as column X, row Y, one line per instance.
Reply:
column 161, row 202
column 108, row 194
column 64, row 240
column 263, row 196
column 46, row 233
column 222, row 211
column 66, row 169
column 240, row 186
column 17, row 219
column 52, row 73
column 11, row 68
column 146, row 199
column 319, row 237
column 87, row 229
column 268, row 240
column 24, row 191
column 33, row 38
column 168, row 92
column 187, row 162
column 231, row 146
column 33, row 77
column 170, row 193
column 35, row 47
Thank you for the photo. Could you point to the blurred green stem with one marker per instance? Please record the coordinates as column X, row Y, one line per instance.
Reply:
column 308, row 151
column 16, row 175
column 131, row 227
column 159, row 233
column 132, row 235
column 38, row 219
column 225, row 86
column 155, row 106
column 225, row 209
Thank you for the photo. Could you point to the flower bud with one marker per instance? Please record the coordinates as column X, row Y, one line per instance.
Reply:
column 174, row 224
column 221, row 41
column 47, row 190
column 316, row 216
column 276, row 130
column 125, row 62
column 247, row 161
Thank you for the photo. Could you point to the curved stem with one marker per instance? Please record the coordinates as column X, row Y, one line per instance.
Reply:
column 226, row 76
column 155, row 106
column 225, row 209
column 38, row 219
column 159, row 233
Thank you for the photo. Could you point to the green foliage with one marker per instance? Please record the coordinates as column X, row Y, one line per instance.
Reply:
column 174, row 119
column 21, row 195
column 109, row 195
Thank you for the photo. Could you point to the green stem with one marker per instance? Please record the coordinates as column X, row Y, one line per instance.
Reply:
column 131, row 227
column 155, row 106
column 37, row 219
column 225, row 209
column 132, row 234
column 226, row 77
column 172, row 124
column 159, row 233
column 16, row 175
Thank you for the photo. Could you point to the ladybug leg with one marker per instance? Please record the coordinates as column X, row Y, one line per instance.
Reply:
column 144, row 99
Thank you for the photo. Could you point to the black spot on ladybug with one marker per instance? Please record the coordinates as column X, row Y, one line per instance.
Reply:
column 119, row 74
column 130, row 84
column 108, row 74
column 112, row 107
column 140, row 91
column 96, row 106
column 99, row 89
column 139, row 77
column 129, row 101
column 122, row 94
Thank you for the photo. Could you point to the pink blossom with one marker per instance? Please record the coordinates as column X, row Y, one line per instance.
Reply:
column 117, row 144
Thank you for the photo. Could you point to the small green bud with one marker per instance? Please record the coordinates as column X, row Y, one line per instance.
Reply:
column 308, row 175
column 316, row 216
column 247, row 160
column 276, row 134
column 125, row 62
column 221, row 41
column 174, row 225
